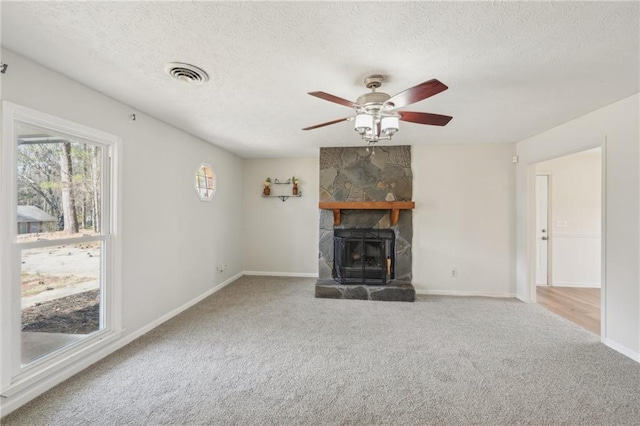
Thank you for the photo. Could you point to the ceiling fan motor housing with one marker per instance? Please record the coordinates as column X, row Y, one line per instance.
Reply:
column 373, row 99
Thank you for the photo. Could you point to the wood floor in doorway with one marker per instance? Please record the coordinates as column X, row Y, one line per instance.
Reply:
column 578, row 305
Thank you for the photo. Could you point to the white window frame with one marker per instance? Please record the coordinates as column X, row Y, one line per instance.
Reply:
column 214, row 183
column 14, row 377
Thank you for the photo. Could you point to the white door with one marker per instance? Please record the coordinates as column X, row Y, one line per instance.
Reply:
column 542, row 230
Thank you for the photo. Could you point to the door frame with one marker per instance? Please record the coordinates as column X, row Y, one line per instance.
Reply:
column 531, row 227
column 549, row 209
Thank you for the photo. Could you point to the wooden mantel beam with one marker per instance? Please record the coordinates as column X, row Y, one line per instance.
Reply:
column 393, row 206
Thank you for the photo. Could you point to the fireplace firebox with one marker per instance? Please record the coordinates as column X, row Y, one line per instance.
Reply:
column 364, row 256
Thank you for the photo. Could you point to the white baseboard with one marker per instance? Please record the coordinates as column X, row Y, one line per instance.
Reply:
column 22, row 397
column 464, row 293
column 147, row 328
column 622, row 349
column 283, row 274
column 573, row 284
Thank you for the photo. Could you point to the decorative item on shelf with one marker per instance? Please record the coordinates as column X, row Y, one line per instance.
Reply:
column 267, row 187
column 295, row 181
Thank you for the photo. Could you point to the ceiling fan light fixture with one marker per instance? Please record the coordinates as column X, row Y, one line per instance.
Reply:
column 390, row 125
column 363, row 123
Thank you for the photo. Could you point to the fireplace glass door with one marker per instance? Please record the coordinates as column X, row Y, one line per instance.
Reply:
column 363, row 256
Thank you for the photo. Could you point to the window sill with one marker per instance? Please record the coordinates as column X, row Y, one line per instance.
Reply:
column 56, row 365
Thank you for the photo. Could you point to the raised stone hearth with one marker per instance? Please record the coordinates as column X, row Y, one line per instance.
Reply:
column 395, row 291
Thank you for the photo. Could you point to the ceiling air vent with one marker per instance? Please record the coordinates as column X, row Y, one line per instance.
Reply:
column 186, row 72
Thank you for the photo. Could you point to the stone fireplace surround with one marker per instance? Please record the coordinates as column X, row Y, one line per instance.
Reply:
column 354, row 175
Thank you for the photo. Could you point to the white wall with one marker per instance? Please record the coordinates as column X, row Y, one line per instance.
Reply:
column 281, row 238
column 464, row 219
column 574, row 226
column 172, row 241
column 617, row 124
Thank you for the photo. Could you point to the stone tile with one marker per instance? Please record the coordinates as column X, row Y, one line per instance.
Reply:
column 405, row 225
column 361, row 219
column 330, row 157
column 327, row 177
column 401, row 155
column 362, row 151
column 384, row 222
column 392, row 172
column 355, row 292
column 401, row 189
column 341, row 194
column 355, row 194
column 328, row 292
column 325, row 270
column 393, row 293
column 326, row 220
column 349, row 157
column 324, row 196
column 403, row 266
column 376, row 194
column 401, row 244
column 380, row 159
column 326, row 246
column 362, row 174
column 342, row 182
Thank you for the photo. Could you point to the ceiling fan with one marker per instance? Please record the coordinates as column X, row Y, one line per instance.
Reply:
column 377, row 116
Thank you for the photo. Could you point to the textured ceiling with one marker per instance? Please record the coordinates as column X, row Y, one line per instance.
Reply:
column 513, row 68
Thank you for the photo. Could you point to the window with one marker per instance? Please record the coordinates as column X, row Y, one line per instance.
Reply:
column 58, row 280
column 205, row 182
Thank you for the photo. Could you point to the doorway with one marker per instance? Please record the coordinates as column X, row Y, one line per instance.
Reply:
column 568, row 209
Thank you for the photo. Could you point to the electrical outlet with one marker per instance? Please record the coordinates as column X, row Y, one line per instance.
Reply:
column 454, row 273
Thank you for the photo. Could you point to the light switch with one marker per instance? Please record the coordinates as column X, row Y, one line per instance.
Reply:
column 561, row 223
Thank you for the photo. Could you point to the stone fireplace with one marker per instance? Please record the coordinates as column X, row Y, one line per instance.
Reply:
column 366, row 224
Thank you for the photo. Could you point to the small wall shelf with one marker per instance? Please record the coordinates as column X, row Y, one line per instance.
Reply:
column 284, row 198
column 394, row 206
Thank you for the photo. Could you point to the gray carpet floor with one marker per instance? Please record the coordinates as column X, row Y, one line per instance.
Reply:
column 264, row 351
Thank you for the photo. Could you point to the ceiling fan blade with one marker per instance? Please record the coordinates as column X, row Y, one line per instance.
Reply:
column 425, row 118
column 334, row 99
column 328, row 123
column 417, row 93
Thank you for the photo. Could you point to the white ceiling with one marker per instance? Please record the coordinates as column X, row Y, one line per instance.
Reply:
column 513, row 68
